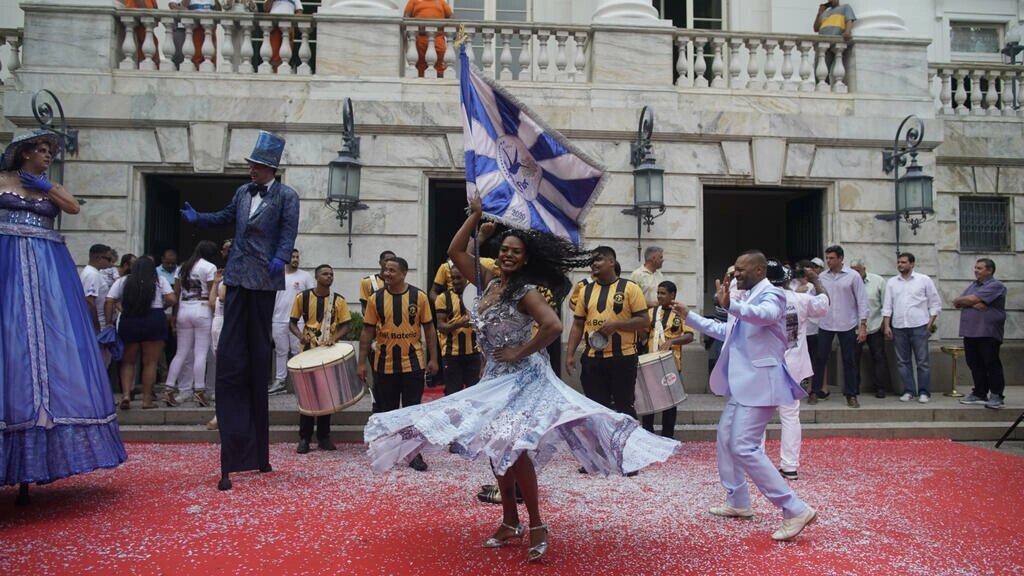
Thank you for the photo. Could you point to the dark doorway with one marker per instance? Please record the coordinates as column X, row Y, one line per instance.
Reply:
column 446, row 213
column 167, row 193
column 784, row 223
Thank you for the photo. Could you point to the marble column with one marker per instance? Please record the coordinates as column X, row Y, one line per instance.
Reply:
column 635, row 12
column 362, row 7
column 877, row 18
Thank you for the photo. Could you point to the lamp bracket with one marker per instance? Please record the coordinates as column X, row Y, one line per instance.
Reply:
column 644, row 215
column 640, row 150
column 349, row 140
column 44, row 113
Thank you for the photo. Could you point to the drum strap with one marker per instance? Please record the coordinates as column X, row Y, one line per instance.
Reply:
column 327, row 323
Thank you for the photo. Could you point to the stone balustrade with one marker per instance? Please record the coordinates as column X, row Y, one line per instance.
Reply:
column 977, row 89
column 760, row 62
column 505, row 51
column 10, row 51
column 237, row 42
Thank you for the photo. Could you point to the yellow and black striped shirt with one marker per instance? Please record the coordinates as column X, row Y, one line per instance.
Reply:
column 672, row 327
column 443, row 277
column 577, row 291
column 368, row 285
column 461, row 341
column 311, row 308
column 398, row 318
column 600, row 303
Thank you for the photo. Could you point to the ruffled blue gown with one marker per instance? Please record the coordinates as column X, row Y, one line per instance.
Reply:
column 516, row 407
column 56, row 409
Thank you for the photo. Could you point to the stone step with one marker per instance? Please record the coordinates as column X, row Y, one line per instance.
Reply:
column 956, row 430
column 698, row 409
column 943, row 417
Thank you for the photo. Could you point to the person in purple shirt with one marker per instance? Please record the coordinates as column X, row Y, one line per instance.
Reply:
column 982, row 316
column 846, row 319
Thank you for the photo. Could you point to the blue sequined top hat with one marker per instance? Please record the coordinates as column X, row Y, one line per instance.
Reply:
column 29, row 138
column 268, row 149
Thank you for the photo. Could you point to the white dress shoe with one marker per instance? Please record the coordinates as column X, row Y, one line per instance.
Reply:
column 731, row 512
column 793, row 526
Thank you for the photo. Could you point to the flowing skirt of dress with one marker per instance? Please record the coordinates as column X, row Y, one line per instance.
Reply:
column 56, row 408
column 527, row 410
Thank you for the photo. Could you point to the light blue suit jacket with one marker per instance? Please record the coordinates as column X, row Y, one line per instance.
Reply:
column 752, row 366
column 270, row 232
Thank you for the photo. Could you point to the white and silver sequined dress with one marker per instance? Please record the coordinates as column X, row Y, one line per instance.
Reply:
column 516, row 407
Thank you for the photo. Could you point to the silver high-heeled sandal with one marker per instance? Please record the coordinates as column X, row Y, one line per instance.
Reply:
column 535, row 552
column 495, row 542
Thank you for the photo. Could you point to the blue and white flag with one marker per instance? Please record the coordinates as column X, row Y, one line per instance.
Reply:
column 527, row 174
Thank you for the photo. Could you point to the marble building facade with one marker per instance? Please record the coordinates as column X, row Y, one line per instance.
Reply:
column 726, row 125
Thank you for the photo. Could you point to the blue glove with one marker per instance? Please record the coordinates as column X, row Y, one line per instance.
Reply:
column 276, row 266
column 189, row 214
column 33, row 182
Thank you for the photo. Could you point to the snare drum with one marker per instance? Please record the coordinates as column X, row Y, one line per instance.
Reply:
column 658, row 385
column 325, row 379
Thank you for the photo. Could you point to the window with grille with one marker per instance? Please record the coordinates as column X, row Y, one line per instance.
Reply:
column 975, row 37
column 984, row 224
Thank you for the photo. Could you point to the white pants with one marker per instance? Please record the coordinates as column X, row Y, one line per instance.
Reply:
column 284, row 342
column 791, row 436
column 789, row 451
column 193, row 331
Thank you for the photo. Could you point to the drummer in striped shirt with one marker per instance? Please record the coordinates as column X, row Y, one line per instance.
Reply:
column 666, row 331
column 399, row 320
column 459, row 352
column 316, row 307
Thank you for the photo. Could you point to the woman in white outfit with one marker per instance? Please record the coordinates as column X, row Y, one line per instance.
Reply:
column 193, row 319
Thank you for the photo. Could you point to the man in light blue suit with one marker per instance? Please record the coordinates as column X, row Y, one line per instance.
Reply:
column 751, row 373
column 265, row 214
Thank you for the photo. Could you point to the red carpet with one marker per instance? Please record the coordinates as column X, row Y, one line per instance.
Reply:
column 886, row 507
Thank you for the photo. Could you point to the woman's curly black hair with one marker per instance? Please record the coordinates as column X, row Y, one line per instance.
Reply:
column 548, row 259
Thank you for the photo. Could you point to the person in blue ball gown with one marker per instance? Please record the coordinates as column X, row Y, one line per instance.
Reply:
column 56, row 410
column 520, row 412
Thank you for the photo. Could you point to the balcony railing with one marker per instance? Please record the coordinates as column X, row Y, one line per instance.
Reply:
column 10, row 51
column 977, row 89
column 760, row 62
column 506, row 51
column 239, row 42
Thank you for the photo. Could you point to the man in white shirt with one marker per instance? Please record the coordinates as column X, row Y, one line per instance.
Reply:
column 295, row 281
column 649, row 275
column 911, row 306
column 95, row 284
column 874, row 285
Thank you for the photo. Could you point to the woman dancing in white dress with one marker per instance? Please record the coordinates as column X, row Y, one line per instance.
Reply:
column 520, row 411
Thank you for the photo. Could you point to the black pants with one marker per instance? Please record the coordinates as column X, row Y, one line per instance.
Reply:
column 394, row 391
column 555, row 354
column 982, row 355
column 668, row 422
column 847, row 348
column 879, row 361
column 610, row 382
column 323, row 427
column 244, row 360
column 460, row 372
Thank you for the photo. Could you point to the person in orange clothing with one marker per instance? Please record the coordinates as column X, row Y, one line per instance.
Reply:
column 431, row 10
column 140, row 30
column 276, row 36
